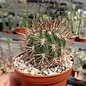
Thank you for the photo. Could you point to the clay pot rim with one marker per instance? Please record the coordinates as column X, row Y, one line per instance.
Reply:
column 19, row 28
column 84, row 38
column 40, row 76
column 77, row 79
column 75, row 36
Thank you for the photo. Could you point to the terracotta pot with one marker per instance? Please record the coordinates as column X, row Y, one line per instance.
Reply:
column 74, row 75
column 82, row 40
column 5, row 31
column 8, row 31
column 72, row 38
column 38, row 80
column 75, row 38
column 19, row 30
column 78, row 80
column 73, row 72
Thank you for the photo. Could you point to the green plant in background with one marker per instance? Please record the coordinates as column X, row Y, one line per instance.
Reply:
column 62, row 20
column 82, row 57
column 29, row 22
column 25, row 22
column 6, row 18
column 71, row 16
column 2, row 55
column 11, row 12
column 9, row 48
column 40, row 17
column 77, row 64
column 79, row 20
column 3, row 19
column 4, row 23
column 20, row 21
column 79, row 58
column 11, row 22
column 3, row 5
column 75, row 19
column 6, row 62
column 2, row 60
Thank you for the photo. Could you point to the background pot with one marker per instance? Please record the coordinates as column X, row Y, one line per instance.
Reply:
column 82, row 39
column 73, row 38
column 73, row 72
column 19, row 30
column 38, row 80
column 8, row 31
column 5, row 31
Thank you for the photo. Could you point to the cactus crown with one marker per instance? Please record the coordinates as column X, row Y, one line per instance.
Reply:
column 45, row 42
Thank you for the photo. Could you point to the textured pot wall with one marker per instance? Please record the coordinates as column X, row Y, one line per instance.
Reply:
column 35, row 80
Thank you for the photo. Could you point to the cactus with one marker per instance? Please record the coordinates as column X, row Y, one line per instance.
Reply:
column 45, row 43
column 9, row 48
column 2, row 60
column 11, row 21
column 75, row 19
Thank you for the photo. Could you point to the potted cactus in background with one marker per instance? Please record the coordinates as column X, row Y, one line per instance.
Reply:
column 11, row 23
column 23, row 23
column 20, row 28
column 79, row 64
column 45, row 60
column 2, row 61
column 75, row 22
column 6, row 62
column 8, row 24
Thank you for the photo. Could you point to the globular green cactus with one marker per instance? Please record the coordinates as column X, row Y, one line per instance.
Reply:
column 45, row 42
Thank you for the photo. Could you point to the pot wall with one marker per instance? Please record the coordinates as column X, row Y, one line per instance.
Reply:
column 19, row 30
column 35, row 80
